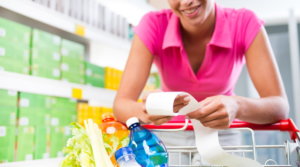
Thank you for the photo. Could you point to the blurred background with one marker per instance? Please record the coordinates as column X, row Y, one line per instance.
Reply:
column 62, row 60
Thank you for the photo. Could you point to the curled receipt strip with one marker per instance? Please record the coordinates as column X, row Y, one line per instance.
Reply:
column 207, row 140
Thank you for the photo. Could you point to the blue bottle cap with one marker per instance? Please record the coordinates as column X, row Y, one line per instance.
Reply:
column 123, row 151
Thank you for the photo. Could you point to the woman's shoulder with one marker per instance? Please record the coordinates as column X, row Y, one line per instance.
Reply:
column 240, row 14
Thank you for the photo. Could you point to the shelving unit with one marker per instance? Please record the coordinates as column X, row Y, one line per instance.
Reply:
column 53, row 21
column 54, row 162
column 59, row 23
column 44, row 86
column 40, row 17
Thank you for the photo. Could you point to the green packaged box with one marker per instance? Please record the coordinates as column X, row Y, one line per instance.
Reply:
column 30, row 100
column 64, row 103
column 8, row 98
column 94, row 82
column 25, row 143
column 45, row 55
column 67, row 133
column 73, row 50
column 34, row 116
column 42, row 39
column 7, row 143
column 22, row 68
column 15, row 54
column 94, row 71
column 14, row 45
column 51, row 73
column 8, row 115
column 57, row 142
column 74, row 67
column 73, row 77
column 42, row 139
column 14, row 32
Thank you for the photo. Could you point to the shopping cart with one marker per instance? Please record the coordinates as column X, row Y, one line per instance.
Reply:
column 290, row 147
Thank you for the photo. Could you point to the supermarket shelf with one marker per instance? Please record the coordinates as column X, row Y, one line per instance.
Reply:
column 50, row 18
column 35, row 163
column 38, row 85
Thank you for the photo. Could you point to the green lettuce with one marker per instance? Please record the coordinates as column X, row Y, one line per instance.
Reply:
column 78, row 149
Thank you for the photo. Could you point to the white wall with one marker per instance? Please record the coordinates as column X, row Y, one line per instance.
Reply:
column 105, row 54
column 272, row 11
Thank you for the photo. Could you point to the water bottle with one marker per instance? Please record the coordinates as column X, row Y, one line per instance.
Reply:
column 147, row 147
column 126, row 158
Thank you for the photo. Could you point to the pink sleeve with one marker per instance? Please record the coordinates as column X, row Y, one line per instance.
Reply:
column 251, row 26
column 146, row 30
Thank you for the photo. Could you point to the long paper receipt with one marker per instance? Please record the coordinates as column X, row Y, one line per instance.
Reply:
column 207, row 140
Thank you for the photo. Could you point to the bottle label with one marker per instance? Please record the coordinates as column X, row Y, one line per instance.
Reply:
column 110, row 130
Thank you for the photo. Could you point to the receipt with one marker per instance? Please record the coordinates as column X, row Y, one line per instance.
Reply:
column 207, row 140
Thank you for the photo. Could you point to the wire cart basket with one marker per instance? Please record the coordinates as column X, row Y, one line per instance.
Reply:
column 290, row 147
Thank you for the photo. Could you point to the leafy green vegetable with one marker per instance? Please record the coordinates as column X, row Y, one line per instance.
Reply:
column 78, row 149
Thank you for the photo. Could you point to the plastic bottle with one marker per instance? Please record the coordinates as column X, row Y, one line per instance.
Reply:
column 115, row 135
column 147, row 147
column 126, row 158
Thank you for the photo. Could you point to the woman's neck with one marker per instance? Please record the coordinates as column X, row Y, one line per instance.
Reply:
column 202, row 31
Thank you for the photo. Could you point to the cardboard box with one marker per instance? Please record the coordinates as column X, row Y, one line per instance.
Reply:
column 57, row 142
column 25, row 143
column 45, row 40
column 34, row 101
column 8, row 115
column 13, row 32
column 72, row 50
column 46, row 72
column 73, row 77
column 14, row 56
column 17, row 68
column 8, row 98
column 42, row 140
column 43, row 55
column 7, row 143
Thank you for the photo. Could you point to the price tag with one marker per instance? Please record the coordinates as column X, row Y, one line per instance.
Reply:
column 2, row 32
column 79, row 30
column 24, row 102
column 56, row 72
column 2, row 51
column 88, row 72
column 56, row 56
column 24, row 121
column 2, row 131
column 54, row 121
column 77, row 93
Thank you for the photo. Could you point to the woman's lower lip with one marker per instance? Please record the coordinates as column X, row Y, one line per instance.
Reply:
column 191, row 15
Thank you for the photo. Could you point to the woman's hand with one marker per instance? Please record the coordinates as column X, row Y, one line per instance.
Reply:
column 216, row 112
column 180, row 101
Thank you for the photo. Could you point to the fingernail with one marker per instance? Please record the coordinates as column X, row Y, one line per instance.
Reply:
column 186, row 99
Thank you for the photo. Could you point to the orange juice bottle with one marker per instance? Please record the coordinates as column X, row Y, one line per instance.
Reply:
column 115, row 135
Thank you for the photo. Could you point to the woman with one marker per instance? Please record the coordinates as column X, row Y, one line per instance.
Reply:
column 200, row 47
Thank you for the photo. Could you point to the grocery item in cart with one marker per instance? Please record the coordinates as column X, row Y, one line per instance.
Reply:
column 86, row 147
column 115, row 135
column 126, row 158
column 78, row 149
column 147, row 147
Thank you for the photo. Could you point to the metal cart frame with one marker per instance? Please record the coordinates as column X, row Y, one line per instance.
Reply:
column 290, row 147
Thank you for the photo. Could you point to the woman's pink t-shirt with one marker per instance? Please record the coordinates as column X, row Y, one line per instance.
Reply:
column 235, row 29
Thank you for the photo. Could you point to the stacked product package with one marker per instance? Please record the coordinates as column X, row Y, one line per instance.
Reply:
column 45, row 57
column 14, row 46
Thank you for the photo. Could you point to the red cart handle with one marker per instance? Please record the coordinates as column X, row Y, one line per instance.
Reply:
column 283, row 125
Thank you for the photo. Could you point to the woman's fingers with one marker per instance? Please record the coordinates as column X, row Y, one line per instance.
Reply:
column 180, row 101
column 158, row 120
column 217, row 115
column 217, row 124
